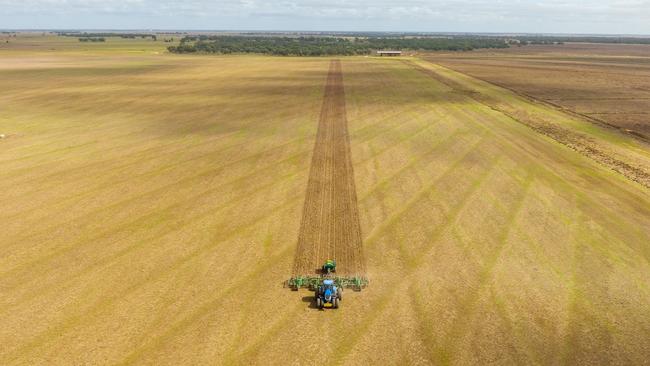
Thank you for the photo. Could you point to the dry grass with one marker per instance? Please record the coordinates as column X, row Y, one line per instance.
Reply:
column 151, row 208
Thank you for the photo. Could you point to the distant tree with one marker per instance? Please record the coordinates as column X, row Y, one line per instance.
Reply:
column 92, row 39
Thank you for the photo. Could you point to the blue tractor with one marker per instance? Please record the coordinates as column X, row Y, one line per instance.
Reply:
column 328, row 295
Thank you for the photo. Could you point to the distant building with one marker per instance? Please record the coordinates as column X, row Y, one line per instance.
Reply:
column 389, row 53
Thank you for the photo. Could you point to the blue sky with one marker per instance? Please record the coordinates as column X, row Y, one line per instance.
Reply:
column 554, row 16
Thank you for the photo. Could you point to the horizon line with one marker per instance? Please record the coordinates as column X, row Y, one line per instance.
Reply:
column 322, row 31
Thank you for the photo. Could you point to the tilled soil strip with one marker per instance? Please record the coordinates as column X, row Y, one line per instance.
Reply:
column 330, row 227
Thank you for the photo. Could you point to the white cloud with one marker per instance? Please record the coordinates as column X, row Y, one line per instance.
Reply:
column 600, row 16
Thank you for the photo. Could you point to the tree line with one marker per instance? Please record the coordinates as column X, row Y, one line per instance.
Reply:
column 324, row 46
column 92, row 39
column 106, row 35
column 581, row 39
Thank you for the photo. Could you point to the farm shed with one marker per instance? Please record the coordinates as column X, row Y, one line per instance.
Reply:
column 389, row 53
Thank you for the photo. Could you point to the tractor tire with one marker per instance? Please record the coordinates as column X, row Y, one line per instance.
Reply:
column 339, row 293
column 336, row 303
column 319, row 303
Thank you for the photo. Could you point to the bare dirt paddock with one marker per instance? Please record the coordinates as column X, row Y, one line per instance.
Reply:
column 607, row 83
column 330, row 226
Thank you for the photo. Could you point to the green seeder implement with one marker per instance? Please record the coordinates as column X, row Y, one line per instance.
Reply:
column 328, row 271
column 312, row 282
column 329, row 266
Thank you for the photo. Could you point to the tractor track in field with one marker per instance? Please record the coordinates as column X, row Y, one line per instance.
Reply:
column 330, row 227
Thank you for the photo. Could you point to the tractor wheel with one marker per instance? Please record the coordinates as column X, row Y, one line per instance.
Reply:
column 336, row 303
column 319, row 303
column 339, row 293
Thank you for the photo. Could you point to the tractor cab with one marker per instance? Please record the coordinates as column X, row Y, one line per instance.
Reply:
column 330, row 287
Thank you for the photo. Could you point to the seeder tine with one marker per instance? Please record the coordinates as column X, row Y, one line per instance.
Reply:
column 312, row 282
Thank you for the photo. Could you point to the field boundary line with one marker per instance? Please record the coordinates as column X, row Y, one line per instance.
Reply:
column 576, row 141
column 559, row 108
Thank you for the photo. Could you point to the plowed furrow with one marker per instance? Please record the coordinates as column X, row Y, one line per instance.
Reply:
column 330, row 226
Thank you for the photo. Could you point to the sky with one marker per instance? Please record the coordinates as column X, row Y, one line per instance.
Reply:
column 516, row 16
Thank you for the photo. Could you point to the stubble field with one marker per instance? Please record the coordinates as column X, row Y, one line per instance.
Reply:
column 153, row 205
